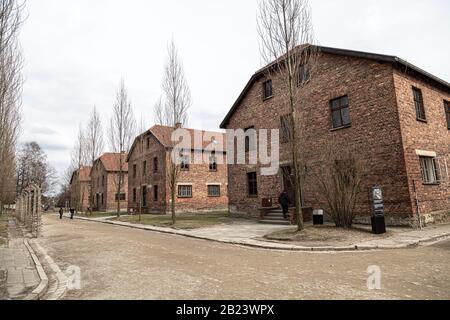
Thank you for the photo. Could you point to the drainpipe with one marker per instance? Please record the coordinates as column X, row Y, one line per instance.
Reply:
column 418, row 205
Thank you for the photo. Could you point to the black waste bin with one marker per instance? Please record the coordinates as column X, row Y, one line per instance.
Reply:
column 378, row 224
column 318, row 217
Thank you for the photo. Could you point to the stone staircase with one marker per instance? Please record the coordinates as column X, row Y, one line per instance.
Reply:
column 275, row 216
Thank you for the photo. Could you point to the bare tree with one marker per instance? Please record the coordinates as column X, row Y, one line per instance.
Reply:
column 121, row 134
column 33, row 168
column 11, row 82
column 94, row 145
column 339, row 176
column 286, row 33
column 80, row 159
column 172, row 110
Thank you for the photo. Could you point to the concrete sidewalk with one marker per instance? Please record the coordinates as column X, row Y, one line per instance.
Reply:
column 18, row 265
column 251, row 234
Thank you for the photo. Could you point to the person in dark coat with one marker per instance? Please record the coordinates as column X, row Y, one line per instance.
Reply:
column 61, row 212
column 283, row 200
column 72, row 212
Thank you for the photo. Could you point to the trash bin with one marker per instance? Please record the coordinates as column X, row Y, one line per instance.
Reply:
column 318, row 217
column 378, row 224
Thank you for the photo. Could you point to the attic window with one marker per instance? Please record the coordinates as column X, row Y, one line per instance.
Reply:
column 267, row 90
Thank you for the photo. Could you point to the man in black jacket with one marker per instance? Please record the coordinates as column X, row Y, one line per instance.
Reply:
column 283, row 200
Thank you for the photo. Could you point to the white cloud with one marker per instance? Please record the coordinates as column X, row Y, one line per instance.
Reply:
column 77, row 51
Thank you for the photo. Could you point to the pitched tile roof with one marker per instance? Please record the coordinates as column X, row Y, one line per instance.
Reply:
column 164, row 135
column 351, row 53
column 111, row 162
column 84, row 174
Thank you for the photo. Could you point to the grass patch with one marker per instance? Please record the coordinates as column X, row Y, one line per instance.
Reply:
column 326, row 235
column 97, row 214
column 3, row 230
column 184, row 221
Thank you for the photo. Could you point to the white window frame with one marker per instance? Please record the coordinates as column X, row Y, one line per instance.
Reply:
column 430, row 171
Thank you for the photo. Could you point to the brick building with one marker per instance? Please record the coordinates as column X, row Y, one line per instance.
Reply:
column 201, row 187
column 395, row 116
column 105, row 178
column 80, row 185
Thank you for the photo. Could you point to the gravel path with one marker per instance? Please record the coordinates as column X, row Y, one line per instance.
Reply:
column 123, row 263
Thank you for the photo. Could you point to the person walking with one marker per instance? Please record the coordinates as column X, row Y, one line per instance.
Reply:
column 283, row 200
column 61, row 213
column 72, row 212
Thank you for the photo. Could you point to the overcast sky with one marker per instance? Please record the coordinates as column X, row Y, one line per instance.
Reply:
column 76, row 51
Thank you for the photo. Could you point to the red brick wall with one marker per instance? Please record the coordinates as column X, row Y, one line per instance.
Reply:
column 109, row 189
column 374, row 135
column 198, row 176
column 79, row 193
column 140, row 154
column 434, row 136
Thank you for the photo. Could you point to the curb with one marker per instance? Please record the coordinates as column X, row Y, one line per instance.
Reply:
column 40, row 290
column 254, row 243
column 61, row 277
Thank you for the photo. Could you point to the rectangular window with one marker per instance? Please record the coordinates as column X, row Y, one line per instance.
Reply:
column 103, row 199
column 250, row 139
column 134, row 170
column 418, row 102
column 122, row 197
column 267, row 89
column 252, row 184
column 155, row 193
column 155, row 164
column 303, row 74
column 429, row 167
column 447, row 112
column 148, row 143
column 185, row 163
column 184, row 191
column 144, row 168
column 134, row 195
column 286, row 128
column 340, row 112
column 214, row 191
column 103, row 181
column 212, row 163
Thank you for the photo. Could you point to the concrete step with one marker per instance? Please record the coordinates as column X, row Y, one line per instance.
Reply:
column 275, row 218
column 276, row 222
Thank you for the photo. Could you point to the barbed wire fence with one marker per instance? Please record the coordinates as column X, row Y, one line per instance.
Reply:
column 28, row 210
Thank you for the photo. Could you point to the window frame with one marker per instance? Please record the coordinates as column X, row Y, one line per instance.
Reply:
column 303, row 70
column 185, row 163
column 247, row 141
column 214, row 195
column 419, row 104
column 134, row 171
column 123, row 197
column 144, row 168
column 155, row 194
column 134, row 195
column 429, row 170
column 447, row 112
column 155, row 164
column 265, row 89
column 185, row 195
column 340, row 109
column 252, row 190
column 213, row 163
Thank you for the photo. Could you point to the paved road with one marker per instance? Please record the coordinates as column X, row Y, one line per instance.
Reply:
column 123, row 263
